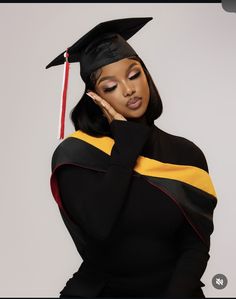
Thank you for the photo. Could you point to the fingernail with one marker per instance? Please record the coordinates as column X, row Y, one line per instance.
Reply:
column 90, row 95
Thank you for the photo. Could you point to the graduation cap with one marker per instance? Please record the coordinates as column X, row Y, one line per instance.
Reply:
column 102, row 45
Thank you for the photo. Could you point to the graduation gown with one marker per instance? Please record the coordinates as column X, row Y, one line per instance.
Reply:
column 139, row 208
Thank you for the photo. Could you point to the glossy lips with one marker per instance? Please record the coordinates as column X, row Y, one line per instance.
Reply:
column 134, row 103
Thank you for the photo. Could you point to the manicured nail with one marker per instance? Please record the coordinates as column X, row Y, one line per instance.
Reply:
column 90, row 95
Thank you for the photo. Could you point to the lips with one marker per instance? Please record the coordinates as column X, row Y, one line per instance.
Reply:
column 133, row 100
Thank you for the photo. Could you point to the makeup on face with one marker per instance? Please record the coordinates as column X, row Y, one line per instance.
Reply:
column 112, row 80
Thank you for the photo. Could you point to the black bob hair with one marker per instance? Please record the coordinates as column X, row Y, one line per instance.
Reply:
column 88, row 116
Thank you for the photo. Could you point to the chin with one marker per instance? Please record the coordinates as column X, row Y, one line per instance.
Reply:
column 136, row 113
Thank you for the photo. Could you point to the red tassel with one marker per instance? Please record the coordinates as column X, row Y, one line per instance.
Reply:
column 64, row 96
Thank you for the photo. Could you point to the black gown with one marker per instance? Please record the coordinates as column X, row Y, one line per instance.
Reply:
column 133, row 239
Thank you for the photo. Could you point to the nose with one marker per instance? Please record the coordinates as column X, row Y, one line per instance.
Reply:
column 128, row 89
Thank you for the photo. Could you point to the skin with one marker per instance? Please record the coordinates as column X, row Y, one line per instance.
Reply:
column 125, row 84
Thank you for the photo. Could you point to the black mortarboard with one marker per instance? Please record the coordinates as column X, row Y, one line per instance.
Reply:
column 102, row 45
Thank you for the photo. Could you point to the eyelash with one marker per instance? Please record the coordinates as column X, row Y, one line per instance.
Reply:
column 131, row 78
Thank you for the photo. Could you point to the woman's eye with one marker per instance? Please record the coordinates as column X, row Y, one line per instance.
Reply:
column 135, row 76
column 108, row 89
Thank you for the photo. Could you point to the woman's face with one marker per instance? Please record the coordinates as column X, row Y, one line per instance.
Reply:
column 122, row 81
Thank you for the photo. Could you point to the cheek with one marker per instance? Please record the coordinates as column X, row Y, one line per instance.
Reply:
column 108, row 97
column 114, row 99
column 145, row 89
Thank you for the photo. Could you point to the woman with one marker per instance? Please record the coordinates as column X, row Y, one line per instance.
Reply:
column 138, row 202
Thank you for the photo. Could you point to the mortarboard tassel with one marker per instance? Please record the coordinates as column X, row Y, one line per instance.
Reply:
column 63, row 96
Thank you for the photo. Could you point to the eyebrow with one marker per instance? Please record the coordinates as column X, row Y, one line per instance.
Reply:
column 113, row 77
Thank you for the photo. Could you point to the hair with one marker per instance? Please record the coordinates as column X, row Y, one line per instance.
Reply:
column 88, row 116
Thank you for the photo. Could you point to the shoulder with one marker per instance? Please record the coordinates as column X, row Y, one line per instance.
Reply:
column 189, row 153
column 58, row 155
column 64, row 151
column 73, row 143
column 83, row 150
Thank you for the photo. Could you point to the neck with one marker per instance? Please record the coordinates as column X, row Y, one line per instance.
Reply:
column 141, row 119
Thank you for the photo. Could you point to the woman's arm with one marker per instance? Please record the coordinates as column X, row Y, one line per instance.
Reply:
column 194, row 254
column 94, row 199
column 191, row 265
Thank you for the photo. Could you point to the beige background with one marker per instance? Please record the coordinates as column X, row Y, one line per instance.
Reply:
column 189, row 50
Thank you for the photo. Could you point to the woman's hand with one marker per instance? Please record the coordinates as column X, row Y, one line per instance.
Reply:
column 107, row 109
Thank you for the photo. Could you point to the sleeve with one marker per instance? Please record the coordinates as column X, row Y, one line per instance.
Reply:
column 191, row 264
column 95, row 199
column 193, row 253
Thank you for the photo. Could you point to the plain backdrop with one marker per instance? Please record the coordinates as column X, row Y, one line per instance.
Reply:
column 189, row 50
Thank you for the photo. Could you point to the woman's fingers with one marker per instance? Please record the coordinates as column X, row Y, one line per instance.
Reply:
column 99, row 100
column 108, row 110
column 102, row 104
